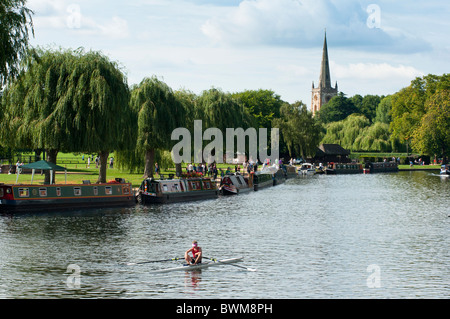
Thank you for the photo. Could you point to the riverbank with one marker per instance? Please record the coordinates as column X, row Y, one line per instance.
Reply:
column 78, row 175
column 419, row 168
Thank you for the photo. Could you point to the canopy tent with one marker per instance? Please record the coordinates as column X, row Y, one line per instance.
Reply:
column 43, row 165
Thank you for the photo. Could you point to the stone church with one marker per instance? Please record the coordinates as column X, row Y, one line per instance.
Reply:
column 324, row 92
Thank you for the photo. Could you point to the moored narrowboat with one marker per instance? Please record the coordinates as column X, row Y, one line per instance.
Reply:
column 233, row 184
column 34, row 197
column 262, row 180
column 279, row 177
column 154, row 191
column 344, row 168
column 381, row 167
column 291, row 171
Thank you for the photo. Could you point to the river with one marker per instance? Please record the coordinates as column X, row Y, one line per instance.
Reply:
column 342, row 236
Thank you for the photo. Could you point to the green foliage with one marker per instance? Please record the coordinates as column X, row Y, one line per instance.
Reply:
column 263, row 105
column 337, row 109
column 68, row 101
column 158, row 113
column 419, row 114
column 15, row 25
column 221, row 110
column 345, row 132
column 299, row 129
column 383, row 110
column 433, row 134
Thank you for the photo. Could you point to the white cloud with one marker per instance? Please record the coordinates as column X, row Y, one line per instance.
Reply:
column 300, row 23
column 68, row 15
column 374, row 71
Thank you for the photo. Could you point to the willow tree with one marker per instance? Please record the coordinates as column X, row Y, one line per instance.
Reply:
column 218, row 109
column 300, row 130
column 68, row 101
column 158, row 114
column 15, row 25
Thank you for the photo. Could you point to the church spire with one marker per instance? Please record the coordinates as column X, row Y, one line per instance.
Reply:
column 325, row 80
column 324, row 92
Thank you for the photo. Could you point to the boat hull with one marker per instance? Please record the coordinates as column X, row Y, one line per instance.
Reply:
column 226, row 190
column 149, row 198
column 28, row 197
column 199, row 266
column 234, row 184
column 154, row 191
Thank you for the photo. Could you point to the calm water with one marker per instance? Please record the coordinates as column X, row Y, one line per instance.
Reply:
column 354, row 236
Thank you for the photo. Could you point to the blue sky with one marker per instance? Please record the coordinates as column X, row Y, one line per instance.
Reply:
column 375, row 47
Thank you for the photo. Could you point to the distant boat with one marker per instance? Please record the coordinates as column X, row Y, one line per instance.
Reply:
column 233, row 184
column 344, row 168
column 35, row 197
column 445, row 170
column 380, row 167
column 264, row 178
column 307, row 169
column 291, row 171
column 154, row 191
column 279, row 177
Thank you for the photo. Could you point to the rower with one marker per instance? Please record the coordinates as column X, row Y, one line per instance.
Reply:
column 196, row 251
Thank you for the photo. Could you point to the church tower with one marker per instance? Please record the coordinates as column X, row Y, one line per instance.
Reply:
column 324, row 92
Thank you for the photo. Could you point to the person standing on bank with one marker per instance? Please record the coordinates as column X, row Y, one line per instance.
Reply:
column 196, row 257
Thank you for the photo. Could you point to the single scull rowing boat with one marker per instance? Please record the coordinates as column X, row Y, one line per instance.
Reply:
column 199, row 266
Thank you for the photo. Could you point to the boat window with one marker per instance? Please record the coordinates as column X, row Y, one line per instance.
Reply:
column 58, row 191
column 43, row 192
column 24, row 192
column 126, row 190
column 165, row 188
column 108, row 190
column 77, row 191
column 95, row 190
column 208, row 185
column 175, row 187
column 194, row 185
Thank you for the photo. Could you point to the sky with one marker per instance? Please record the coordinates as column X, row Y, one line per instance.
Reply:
column 374, row 47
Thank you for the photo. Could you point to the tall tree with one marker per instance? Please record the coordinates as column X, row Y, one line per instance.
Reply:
column 263, row 105
column 432, row 137
column 408, row 105
column 221, row 110
column 15, row 26
column 383, row 110
column 369, row 105
column 68, row 101
column 159, row 113
column 337, row 109
column 300, row 130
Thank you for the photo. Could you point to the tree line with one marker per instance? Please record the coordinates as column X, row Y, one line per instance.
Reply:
column 416, row 118
column 65, row 100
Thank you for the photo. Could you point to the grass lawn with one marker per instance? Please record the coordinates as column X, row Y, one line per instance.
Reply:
column 418, row 167
column 77, row 173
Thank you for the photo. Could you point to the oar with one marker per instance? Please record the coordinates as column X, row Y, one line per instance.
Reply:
column 246, row 268
column 154, row 261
